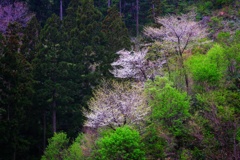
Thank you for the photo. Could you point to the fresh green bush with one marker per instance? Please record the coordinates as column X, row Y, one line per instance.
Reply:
column 170, row 107
column 203, row 70
column 209, row 68
column 155, row 143
column 59, row 149
column 205, row 8
column 74, row 151
column 124, row 143
column 56, row 147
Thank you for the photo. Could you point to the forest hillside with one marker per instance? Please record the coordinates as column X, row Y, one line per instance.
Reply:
column 120, row 79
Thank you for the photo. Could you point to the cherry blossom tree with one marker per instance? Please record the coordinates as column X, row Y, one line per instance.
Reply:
column 16, row 12
column 115, row 104
column 178, row 32
column 134, row 64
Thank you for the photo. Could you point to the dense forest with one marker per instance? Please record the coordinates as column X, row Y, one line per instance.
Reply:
column 120, row 79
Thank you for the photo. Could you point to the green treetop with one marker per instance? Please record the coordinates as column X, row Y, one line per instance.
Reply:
column 15, row 93
column 116, row 35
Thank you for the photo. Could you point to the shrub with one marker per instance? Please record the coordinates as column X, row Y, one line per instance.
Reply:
column 123, row 143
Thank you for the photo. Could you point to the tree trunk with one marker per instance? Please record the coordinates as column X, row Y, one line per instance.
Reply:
column 14, row 155
column 236, row 153
column 185, row 75
column 168, row 68
column 8, row 106
column 180, row 53
column 120, row 7
column 44, row 130
column 153, row 10
column 137, row 13
column 61, row 10
column 8, row 114
column 186, row 81
column 54, row 112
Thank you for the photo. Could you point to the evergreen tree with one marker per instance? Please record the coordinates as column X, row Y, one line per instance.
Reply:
column 86, row 43
column 30, row 39
column 45, row 8
column 51, row 70
column 89, row 32
column 33, row 129
column 116, row 35
column 102, row 5
column 116, row 31
column 70, row 19
column 15, row 95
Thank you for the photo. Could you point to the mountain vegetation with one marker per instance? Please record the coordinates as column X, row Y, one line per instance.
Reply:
column 119, row 79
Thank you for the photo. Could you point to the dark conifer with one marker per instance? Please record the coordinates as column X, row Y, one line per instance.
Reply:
column 86, row 43
column 116, row 31
column 15, row 94
column 116, row 35
column 30, row 39
column 51, row 68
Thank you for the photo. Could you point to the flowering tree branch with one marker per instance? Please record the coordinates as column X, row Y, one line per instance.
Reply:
column 135, row 65
column 179, row 30
column 115, row 104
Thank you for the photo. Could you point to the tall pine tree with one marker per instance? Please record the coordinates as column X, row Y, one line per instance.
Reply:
column 51, row 70
column 86, row 43
column 116, row 35
column 15, row 95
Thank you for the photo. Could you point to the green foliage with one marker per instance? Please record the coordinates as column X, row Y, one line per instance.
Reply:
column 209, row 68
column 74, row 151
column 45, row 8
column 165, row 7
column 219, row 65
column 69, row 57
column 50, row 66
column 232, row 51
column 154, row 141
column 30, row 39
column 58, row 78
column 217, row 123
column 215, row 24
column 224, row 2
column 56, row 148
column 198, row 154
column 168, row 131
column 204, row 70
column 16, row 89
column 169, row 106
column 238, row 135
column 185, row 154
column 124, row 143
column 204, row 8
column 116, row 31
column 232, row 99
column 223, row 38
column 116, row 35
column 85, row 42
